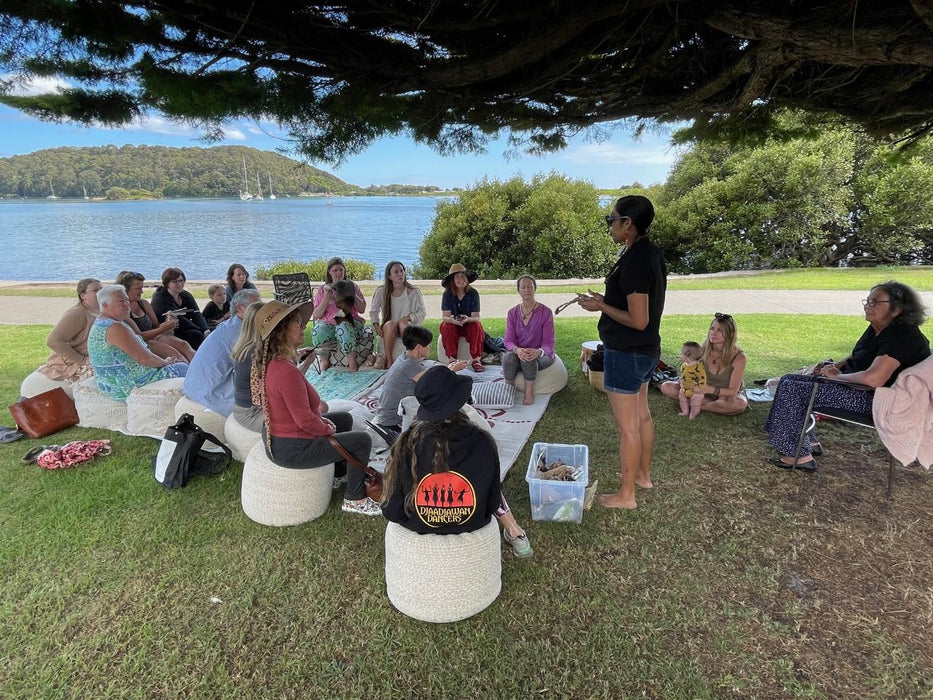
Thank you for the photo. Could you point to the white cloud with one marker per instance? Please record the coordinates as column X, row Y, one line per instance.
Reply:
column 160, row 125
column 33, row 86
column 609, row 152
column 235, row 135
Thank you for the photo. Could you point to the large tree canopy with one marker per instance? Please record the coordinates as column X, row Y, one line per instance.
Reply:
column 452, row 74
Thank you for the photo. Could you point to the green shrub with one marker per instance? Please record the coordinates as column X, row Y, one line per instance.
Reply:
column 551, row 227
column 356, row 269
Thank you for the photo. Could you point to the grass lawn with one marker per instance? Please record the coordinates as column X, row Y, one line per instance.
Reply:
column 732, row 579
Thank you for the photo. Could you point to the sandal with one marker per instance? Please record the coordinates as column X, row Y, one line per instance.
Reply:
column 33, row 454
column 478, row 366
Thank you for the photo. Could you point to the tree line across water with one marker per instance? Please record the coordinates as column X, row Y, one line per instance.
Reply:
column 161, row 171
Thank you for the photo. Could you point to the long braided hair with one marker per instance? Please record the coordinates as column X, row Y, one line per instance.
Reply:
column 275, row 345
column 406, row 446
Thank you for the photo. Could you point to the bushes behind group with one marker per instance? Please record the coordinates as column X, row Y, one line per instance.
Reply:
column 551, row 227
column 356, row 269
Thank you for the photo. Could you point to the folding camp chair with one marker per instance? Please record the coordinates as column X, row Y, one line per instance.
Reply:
column 292, row 289
column 862, row 419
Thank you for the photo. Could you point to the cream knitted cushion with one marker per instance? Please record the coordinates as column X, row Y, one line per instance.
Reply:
column 463, row 351
column 150, row 409
column 239, row 438
column 204, row 417
column 549, row 380
column 37, row 383
column 96, row 410
column 274, row 495
column 443, row 578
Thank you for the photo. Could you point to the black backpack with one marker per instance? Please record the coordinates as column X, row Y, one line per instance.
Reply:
column 180, row 456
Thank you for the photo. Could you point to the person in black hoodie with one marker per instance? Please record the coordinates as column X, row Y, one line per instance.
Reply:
column 172, row 297
column 442, row 476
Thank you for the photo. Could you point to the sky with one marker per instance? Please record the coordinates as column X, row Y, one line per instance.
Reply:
column 617, row 161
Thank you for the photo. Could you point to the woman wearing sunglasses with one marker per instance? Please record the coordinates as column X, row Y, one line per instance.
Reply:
column 629, row 323
column 724, row 363
column 892, row 342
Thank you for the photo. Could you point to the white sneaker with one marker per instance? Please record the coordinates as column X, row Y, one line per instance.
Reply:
column 365, row 507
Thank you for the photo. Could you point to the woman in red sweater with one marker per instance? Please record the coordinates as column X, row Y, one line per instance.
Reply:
column 296, row 421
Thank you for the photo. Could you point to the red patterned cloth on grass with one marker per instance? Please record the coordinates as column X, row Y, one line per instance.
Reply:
column 73, row 453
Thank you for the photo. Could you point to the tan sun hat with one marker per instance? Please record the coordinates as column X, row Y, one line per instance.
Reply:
column 273, row 312
column 454, row 269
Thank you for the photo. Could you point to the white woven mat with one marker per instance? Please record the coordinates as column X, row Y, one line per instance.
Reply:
column 510, row 427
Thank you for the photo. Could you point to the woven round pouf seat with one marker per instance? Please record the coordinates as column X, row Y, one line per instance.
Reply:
column 239, row 438
column 204, row 417
column 550, row 380
column 274, row 495
column 150, row 408
column 443, row 578
column 37, row 383
column 463, row 351
column 96, row 410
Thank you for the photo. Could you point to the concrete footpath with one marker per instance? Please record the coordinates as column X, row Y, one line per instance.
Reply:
column 25, row 310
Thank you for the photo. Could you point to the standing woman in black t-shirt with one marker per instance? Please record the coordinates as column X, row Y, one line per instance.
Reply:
column 629, row 329
column 892, row 342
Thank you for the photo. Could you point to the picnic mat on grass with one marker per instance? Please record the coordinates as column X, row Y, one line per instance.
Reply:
column 337, row 383
column 510, row 427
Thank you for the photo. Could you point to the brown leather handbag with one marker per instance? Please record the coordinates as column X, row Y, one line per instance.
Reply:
column 373, row 478
column 45, row 413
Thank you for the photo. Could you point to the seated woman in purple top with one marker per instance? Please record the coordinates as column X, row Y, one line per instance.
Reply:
column 529, row 338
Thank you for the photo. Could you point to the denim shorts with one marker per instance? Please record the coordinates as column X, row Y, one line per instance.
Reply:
column 625, row 372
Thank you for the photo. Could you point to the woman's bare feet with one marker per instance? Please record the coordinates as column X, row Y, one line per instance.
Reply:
column 615, row 500
column 644, row 483
column 354, row 366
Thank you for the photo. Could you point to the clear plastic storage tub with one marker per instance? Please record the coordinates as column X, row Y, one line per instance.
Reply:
column 558, row 500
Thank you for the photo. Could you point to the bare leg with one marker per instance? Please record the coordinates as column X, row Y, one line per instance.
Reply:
column 684, row 404
column 390, row 331
column 625, row 410
column 351, row 359
column 726, row 406
column 646, row 430
column 529, row 392
column 508, row 522
column 696, row 405
column 671, row 389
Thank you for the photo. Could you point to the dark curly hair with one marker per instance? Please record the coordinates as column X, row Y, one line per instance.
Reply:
column 907, row 301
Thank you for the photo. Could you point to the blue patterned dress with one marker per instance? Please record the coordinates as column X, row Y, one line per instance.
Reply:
column 117, row 373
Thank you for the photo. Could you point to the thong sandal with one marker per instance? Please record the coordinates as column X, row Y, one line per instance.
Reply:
column 478, row 366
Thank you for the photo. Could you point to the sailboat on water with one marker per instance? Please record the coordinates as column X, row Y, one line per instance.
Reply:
column 53, row 195
column 258, row 195
column 85, row 192
column 244, row 193
column 271, row 193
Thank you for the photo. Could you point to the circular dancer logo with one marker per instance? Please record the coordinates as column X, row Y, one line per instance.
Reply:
column 445, row 499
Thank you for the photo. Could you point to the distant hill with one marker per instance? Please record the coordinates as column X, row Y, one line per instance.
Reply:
column 160, row 171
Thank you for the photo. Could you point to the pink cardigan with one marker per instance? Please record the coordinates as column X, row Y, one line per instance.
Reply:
column 903, row 415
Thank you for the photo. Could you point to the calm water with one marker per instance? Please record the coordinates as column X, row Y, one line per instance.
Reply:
column 67, row 239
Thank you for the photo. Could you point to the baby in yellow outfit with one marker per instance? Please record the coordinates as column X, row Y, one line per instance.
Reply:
column 692, row 377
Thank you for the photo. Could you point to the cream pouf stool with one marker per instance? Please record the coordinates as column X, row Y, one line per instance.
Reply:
column 443, row 578
column 206, row 419
column 274, row 495
column 150, row 408
column 549, row 380
column 37, row 383
column 239, row 438
column 96, row 410
column 463, row 351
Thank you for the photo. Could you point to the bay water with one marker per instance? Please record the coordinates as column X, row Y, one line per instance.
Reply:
column 48, row 240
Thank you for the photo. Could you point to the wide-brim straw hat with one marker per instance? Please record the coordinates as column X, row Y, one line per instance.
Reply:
column 274, row 312
column 441, row 393
column 454, row 269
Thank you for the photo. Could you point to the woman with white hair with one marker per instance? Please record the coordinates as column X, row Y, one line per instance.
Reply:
column 120, row 358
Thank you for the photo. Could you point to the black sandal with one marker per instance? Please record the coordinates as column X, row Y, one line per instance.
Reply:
column 801, row 466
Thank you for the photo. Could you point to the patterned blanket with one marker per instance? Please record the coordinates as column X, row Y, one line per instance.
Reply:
column 511, row 427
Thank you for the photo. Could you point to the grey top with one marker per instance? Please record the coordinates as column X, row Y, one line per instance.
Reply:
column 399, row 383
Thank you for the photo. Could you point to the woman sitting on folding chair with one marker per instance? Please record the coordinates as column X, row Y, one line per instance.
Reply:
column 891, row 343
